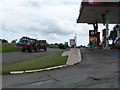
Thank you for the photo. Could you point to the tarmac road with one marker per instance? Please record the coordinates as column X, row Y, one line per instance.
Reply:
column 10, row 57
column 98, row 69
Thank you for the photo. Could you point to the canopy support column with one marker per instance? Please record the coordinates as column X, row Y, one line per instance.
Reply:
column 95, row 25
column 106, row 23
column 107, row 29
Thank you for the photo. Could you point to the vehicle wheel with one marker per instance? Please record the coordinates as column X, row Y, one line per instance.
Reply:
column 45, row 49
column 31, row 49
column 37, row 49
column 23, row 49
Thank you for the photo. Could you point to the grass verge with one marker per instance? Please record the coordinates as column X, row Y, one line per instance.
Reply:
column 9, row 47
column 37, row 63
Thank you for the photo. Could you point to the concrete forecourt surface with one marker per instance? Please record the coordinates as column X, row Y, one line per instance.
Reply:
column 98, row 69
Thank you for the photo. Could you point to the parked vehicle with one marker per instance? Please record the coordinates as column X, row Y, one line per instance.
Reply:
column 32, row 45
column 117, row 43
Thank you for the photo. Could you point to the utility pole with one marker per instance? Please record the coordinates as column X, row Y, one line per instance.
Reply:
column 75, row 38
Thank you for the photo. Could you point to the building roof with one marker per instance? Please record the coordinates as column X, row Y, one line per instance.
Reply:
column 92, row 12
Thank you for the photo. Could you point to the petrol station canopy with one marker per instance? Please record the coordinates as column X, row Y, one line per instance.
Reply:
column 90, row 12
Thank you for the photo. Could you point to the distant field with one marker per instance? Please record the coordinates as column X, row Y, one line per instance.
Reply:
column 53, row 46
column 9, row 47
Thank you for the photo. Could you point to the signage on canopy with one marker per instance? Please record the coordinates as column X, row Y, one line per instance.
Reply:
column 91, row 33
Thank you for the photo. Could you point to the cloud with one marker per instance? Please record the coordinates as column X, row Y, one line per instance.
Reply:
column 53, row 20
column 55, row 27
column 58, row 27
column 7, row 28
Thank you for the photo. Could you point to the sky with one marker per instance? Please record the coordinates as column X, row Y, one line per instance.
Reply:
column 51, row 20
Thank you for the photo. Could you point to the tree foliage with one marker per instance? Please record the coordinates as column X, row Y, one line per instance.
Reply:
column 113, row 33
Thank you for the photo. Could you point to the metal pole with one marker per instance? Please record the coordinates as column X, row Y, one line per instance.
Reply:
column 74, row 41
column 75, row 38
column 107, row 29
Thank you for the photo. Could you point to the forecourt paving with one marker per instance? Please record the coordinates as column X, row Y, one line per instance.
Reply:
column 74, row 56
column 98, row 69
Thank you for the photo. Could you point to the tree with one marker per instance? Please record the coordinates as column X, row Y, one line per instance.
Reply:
column 0, row 40
column 113, row 34
column 14, row 41
column 51, row 44
column 56, row 44
column 61, row 46
column 4, row 41
column 117, row 27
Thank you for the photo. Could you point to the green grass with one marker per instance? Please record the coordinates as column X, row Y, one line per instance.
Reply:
column 9, row 47
column 53, row 46
column 37, row 63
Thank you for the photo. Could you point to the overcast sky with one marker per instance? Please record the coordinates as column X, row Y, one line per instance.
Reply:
column 53, row 20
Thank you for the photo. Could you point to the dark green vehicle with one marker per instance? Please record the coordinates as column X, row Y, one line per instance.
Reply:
column 32, row 45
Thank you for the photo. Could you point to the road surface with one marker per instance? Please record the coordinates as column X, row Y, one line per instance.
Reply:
column 98, row 69
column 10, row 57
